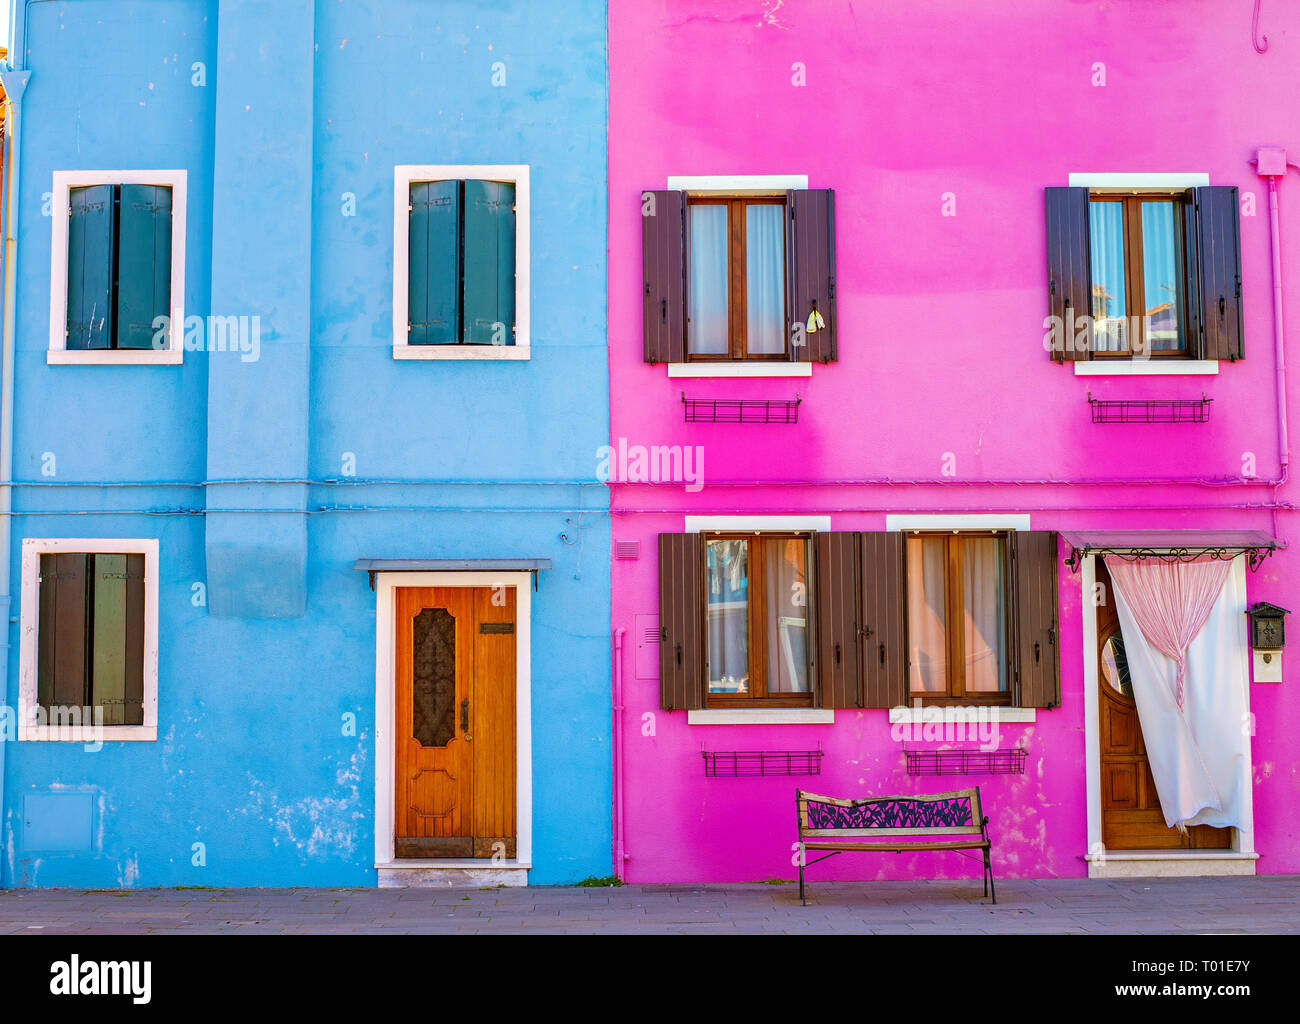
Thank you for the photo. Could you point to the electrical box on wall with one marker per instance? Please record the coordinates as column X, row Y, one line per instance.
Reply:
column 645, row 631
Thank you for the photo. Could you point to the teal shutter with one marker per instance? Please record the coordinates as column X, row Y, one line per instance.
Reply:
column 90, row 267
column 144, row 263
column 489, row 263
column 433, row 296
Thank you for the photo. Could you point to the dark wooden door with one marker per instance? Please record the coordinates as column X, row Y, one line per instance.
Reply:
column 1131, row 817
column 455, row 701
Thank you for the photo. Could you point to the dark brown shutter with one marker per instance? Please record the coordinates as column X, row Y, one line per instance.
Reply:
column 1218, row 242
column 663, row 261
column 810, row 245
column 61, row 639
column 883, row 609
column 681, row 619
column 836, row 614
column 1069, row 266
column 1038, row 657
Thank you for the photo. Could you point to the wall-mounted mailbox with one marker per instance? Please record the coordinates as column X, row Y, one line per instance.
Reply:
column 1267, row 638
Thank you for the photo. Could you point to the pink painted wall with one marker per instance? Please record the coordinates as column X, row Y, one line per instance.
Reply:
column 940, row 335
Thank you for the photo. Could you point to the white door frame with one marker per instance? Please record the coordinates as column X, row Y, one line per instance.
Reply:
column 1242, row 843
column 386, row 585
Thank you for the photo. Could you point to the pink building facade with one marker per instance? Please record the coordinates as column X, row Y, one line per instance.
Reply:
column 986, row 163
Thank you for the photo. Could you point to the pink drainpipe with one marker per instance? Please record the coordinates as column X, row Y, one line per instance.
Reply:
column 617, row 704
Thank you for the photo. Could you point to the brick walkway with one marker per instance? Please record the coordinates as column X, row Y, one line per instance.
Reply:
column 1174, row 905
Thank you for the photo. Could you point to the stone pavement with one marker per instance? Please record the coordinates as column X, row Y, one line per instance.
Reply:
column 1268, row 904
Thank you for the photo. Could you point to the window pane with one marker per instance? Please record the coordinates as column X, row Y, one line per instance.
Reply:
column 728, row 616
column 1161, row 276
column 927, row 616
column 765, row 278
column 984, row 614
column 707, row 332
column 1106, row 226
column 785, row 562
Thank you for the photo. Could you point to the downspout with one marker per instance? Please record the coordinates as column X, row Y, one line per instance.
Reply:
column 617, row 704
column 1271, row 163
column 14, row 83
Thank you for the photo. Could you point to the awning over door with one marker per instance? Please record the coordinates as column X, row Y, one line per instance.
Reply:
column 1170, row 545
column 376, row 565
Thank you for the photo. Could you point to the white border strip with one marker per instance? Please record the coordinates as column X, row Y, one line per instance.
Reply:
column 29, row 633
column 386, row 583
column 978, row 521
column 737, row 184
column 59, row 353
column 403, row 176
column 1145, row 367
column 720, row 369
column 700, row 524
column 1138, row 181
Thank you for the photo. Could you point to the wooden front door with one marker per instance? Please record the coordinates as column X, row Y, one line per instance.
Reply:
column 455, row 743
column 1131, row 818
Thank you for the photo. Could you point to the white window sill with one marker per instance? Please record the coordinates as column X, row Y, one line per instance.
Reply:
column 740, row 369
column 941, row 712
column 509, row 352
column 114, row 357
column 87, row 734
column 1146, row 368
column 762, row 716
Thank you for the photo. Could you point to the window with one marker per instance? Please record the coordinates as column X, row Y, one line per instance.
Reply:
column 857, row 620
column 117, row 267
column 742, row 274
column 1139, row 292
column 756, row 620
column 89, row 629
column 1143, row 278
column 957, row 621
column 736, row 265
column 461, row 259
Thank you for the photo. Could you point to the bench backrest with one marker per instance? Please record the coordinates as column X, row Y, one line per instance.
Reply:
column 916, row 815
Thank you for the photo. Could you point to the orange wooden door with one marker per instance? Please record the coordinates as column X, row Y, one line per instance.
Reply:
column 455, row 703
column 1131, row 816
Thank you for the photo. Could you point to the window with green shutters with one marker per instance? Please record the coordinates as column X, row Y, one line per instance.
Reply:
column 461, row 263
column 119, row 266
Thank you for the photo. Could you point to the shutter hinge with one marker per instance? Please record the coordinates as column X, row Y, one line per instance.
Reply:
column 410, row 207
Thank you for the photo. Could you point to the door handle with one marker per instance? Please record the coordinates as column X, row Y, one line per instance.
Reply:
column 1038, row 651
column 882, row 654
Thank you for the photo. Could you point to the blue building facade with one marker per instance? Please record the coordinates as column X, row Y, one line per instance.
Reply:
column 308, row 490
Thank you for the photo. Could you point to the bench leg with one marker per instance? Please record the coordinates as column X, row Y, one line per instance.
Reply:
column 802, row 857
column 990, row 887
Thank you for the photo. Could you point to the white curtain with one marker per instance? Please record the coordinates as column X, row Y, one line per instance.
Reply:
column 1199, row 756
column 707, row 333
column 984, row 624
column 1109, row 308
column 765, row 278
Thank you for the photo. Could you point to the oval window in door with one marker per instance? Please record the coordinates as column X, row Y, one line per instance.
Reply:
column 1114, row 665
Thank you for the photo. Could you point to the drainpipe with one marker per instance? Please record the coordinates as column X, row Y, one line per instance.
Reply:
column 617, row 703
column 14, row 83
column 1271, row 163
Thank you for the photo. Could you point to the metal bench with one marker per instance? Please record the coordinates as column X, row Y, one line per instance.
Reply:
column 893, row 824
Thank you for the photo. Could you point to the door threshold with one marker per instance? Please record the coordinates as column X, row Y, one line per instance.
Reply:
column 430, row 873
column 1169, row 863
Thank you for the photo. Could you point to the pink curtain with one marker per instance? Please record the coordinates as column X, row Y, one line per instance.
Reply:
column 1170, row 602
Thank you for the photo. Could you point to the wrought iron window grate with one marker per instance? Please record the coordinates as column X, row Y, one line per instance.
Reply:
column 966, row 761
column 1154, row 410
column 741, row 410
column 752, row 763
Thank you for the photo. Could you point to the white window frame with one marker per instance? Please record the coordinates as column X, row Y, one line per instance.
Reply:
column 29, row 634
column 1003, row 714
column 403, row 177
column 759, row 716
column 59, row 353
column 738, row 185
column 1160, row 183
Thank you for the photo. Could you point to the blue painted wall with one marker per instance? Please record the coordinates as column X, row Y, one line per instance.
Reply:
column 303, row 104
